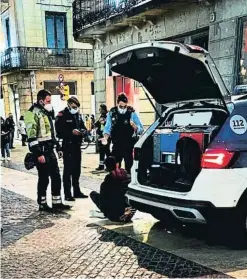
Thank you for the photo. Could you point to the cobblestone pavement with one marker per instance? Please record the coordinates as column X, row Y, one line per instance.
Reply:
column 73, row 245
column 41, row 245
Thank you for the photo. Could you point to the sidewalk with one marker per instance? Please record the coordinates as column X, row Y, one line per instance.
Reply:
column 90, row 161
column 72, row 245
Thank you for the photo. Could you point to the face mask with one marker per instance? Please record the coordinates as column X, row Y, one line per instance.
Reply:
column 73, row 111
column 122, row 111
column 48, row 107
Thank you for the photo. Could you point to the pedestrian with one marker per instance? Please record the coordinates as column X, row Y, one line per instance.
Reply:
column 4, row 141
column 11, row 128
column 93, row 134
column 104, row 150
column 41, row 141
column 111, row 200
column 70, row 129
column 22, row 130
column 124, row 126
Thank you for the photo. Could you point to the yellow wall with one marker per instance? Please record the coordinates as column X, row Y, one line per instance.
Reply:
column 82, row 78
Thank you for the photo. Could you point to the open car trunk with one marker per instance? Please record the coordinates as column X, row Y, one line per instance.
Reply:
column 170, row 158
column 173, row 74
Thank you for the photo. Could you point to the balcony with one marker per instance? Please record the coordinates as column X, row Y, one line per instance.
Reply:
column 21, row 58
column 94, row 18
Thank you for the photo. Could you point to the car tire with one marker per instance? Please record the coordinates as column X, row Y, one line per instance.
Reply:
column 241, row 226
column 237, row 227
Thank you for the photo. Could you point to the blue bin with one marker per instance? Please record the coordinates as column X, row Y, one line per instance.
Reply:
column 168, row 142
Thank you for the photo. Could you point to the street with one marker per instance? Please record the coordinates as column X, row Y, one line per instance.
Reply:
column 73, row 245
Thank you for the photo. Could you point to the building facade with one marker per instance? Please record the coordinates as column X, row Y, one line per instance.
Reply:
column 220, row 26
column 39, row 51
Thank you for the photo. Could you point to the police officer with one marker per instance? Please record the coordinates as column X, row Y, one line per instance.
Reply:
column 71, row 129
column 41, row 141
column 123, row 125
column 104, row 150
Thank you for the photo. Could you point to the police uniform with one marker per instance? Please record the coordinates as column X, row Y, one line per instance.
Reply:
column 41, row 140
column 65, row 123
column 122, row 136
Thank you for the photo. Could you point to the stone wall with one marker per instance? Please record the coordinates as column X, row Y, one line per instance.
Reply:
column 223, row 31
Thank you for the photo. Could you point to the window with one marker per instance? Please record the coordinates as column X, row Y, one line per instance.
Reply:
column 200, row 40
column 242, row 75
column 8, row 40
column 52, row 86
column 56, row 30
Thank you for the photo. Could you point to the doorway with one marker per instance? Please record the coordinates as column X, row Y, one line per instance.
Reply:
column 14, row 105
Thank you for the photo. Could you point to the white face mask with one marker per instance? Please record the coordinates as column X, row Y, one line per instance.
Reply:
column 73, row 111
column 48, row 107
column 122, row 111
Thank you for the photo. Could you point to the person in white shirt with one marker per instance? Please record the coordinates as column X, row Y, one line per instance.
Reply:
column 22, row 130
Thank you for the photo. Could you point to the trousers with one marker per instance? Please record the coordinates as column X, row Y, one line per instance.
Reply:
column 5, row 149
column 11, row 138
column 95, row 197
column 123, row 151
column 23, row 139
column 104, row 151
column 49, row 169
column 72, row 168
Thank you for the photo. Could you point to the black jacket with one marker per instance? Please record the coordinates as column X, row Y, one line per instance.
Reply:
column 112, row 194
column 4, row 133
column 98, row 127
column 65, row 123
column 10, row 124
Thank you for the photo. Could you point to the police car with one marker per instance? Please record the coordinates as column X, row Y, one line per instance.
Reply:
column 206, row 181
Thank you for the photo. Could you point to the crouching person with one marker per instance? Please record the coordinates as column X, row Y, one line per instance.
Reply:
column 111, row 200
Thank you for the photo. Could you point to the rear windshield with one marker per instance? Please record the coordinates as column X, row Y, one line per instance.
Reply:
column 191, row 118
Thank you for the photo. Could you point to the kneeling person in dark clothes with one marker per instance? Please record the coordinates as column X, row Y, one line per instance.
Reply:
column 111, row 200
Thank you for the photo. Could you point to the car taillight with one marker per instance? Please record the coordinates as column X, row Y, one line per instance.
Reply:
column 137, row 153
column 216, row 159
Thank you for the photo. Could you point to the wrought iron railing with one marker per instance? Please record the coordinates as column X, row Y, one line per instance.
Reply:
column 35, row 57
column 88, row 12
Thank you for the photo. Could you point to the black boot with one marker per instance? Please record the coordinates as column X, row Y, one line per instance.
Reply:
column 69, row 199
column 61, row 206
column 45, row 207
column 100, row 168
column 80, row 195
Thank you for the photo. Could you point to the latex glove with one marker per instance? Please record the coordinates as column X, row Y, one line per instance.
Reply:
column 76, row 132
column 41, row 159
column 133, row 125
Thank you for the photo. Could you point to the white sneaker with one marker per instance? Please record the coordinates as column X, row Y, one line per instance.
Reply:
column 8, row 159
column 2, row 159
